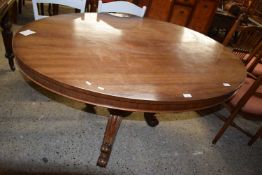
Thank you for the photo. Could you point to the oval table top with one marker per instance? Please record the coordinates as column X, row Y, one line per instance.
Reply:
column 127, row 63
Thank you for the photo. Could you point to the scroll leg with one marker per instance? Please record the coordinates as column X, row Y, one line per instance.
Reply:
column 113, row 123
column 112, row 127
column 7, row 37
column 151, row 119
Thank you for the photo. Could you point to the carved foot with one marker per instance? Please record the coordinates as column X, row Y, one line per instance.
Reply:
column 112, row 127
column 90, row 108
column 104, row 155
column 151, row 119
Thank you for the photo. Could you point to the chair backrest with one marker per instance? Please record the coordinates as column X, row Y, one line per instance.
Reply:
column 256, row 56
column 249, row 37
column 255, row 8
column 78, row 4
column 121, row 7
column 255, row 53
column 233, row 30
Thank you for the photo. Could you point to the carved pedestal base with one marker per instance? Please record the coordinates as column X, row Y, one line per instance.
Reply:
column 113, row 124
column 151, row 119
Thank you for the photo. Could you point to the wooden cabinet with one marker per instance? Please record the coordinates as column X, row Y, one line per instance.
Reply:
column 194, row 14
column 203, row 15
column 159, row 9
column 181, row 15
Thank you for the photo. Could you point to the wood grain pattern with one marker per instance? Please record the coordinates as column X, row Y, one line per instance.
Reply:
column 129, row 64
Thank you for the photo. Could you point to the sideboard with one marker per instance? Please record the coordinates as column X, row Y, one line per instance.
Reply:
column 194, row 14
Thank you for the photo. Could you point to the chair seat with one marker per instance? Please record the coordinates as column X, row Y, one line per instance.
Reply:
column 254, row 104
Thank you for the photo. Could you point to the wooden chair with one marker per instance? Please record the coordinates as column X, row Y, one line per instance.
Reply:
column 247, row 101
column 77, row 4
column 121, row 7
column 254, row 65
column 248, row 36
column 248, row 39
column 251, row 15
column 255, row 12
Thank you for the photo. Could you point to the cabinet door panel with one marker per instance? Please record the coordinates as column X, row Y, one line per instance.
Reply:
column 186, row 2
column 180, row 15
column 159, row 9
column 141, row 3
column 202, row 15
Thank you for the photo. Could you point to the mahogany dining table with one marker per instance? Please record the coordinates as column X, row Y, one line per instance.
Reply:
column 126, row 63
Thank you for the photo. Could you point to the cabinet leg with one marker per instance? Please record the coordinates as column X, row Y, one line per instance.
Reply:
column 7, row 34
column 151, row 119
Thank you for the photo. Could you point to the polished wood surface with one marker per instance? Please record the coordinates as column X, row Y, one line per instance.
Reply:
column 129, row 64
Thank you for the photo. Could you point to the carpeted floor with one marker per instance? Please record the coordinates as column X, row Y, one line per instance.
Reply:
column 43, row 133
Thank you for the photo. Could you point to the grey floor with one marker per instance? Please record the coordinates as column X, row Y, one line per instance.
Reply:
column 43, row 133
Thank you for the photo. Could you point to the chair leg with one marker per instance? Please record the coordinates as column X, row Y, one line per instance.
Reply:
column 233, row 124
column 225, row 126
column 256, row 136
column 7, row 35
column 41, row 9
column 20, row 6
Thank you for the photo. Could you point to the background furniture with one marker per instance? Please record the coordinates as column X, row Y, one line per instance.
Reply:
column 247, row 101
column 7, row 10
column 79, row 4
column 248, row 38
column 250, row 16
column 255, row 12
column 221, row 25
column 20, row 5
column 121, row 7
column 194, row 14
